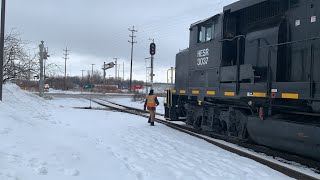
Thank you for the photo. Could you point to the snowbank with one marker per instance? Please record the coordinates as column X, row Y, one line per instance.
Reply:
column 21, row 106
column 39, row 142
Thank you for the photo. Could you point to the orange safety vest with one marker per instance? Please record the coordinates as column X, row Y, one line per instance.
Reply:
column 151, row 101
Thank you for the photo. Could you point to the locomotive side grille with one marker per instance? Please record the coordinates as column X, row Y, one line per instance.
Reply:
column 263, row 11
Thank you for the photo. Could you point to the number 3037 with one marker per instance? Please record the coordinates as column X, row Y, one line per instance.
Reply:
column 202, row 61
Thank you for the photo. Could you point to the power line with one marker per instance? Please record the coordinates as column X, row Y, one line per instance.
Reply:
column 123, row 71
column 132, row 43
column 65, row 65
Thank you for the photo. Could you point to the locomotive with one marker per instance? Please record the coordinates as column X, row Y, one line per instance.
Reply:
column 251, row 73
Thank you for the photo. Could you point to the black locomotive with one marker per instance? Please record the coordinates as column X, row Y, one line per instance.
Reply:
column 253, row 73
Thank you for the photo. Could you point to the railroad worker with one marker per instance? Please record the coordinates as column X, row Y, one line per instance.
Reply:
column 151, row 103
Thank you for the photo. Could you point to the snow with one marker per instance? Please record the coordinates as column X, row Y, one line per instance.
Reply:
column 56, row 91
column 74, row 103
column 48, row 139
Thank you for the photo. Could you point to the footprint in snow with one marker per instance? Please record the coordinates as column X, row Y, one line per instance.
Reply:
column 41, row 170
column 71, row 172
column 38, row 166
column 5, row 131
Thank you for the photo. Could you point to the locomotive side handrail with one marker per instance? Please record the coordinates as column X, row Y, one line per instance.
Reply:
column 291, row 42
column 269, row 59
column 238, row 37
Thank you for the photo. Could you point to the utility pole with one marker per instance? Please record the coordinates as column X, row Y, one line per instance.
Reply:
column 3, row 9
column 151, row 74
column 41, row 48
column 104, row 77
column 118, row 75
column 65, row 66
column 82, row 80
column 122, row 75
column 119, row 66
column 91, row 84
column 132, row 43
column 152, row 58
column 147, row 74
column 92, row 73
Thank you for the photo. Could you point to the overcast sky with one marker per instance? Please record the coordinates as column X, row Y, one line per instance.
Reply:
column 97, row 30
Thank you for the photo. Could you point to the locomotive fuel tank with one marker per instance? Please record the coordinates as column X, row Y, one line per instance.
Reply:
column 280, row 132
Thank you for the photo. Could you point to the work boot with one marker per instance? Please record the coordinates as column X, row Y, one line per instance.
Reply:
column 149, row 121
column 152, row 124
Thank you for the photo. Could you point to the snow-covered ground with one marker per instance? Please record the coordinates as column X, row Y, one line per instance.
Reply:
column 56, row 91
column 43, row 139
column 74, row 103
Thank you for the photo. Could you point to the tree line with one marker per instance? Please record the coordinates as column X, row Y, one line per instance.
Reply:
column 78, row 82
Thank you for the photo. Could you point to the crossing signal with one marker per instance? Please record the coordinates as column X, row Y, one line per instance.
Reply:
column 152, row 49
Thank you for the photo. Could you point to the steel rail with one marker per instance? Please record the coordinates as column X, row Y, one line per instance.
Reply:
column 140, row 110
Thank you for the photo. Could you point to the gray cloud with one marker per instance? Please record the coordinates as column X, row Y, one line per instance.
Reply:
column 97, row 30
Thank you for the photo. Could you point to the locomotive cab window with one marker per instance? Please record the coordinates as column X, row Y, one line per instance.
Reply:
column 206, row 33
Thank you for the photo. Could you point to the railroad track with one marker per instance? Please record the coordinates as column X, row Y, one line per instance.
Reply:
column 128, row 107
column 284, row 168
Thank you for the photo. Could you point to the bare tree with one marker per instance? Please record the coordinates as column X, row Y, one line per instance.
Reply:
column 97, row 77
column 53, row 70
column 18, row 61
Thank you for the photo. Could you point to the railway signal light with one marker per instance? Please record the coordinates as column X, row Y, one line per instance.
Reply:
column 152, row 49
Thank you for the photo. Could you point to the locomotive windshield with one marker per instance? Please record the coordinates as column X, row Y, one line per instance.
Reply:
column 206, row 33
